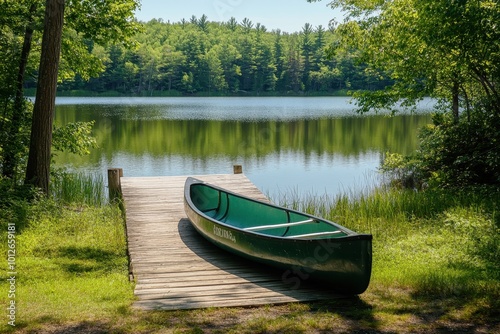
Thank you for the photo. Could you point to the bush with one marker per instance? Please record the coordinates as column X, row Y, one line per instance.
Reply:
column 461, row 153
column 402, row 171
column 452, row 154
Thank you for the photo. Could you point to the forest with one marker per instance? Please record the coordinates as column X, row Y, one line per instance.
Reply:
column 198, row 56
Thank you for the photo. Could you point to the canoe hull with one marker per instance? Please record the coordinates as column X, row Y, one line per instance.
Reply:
column 342, row 264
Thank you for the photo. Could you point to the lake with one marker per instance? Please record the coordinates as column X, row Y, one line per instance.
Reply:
column 305, row 145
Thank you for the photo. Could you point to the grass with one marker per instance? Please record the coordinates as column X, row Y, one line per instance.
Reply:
column 435, row 269
column 81, row 188
column 70, row 260
column 435, row 242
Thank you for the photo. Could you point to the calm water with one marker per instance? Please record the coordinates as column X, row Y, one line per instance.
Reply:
column 302, row 145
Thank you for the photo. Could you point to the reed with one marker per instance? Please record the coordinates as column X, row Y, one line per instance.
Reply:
column 432, row 242
column 82, row 188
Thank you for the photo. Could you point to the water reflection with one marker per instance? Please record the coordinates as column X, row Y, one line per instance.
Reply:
column 312, row 144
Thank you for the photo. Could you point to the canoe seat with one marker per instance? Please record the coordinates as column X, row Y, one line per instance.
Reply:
column 268, row 227
column 312, row 235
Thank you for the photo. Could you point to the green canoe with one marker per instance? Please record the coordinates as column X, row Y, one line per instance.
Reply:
column 306, row 247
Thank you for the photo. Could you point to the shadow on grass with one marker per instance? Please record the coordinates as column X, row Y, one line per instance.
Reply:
column 15, row 205
column 349, row 315
column 78, row 260
column 387, row 312
column 76, row 328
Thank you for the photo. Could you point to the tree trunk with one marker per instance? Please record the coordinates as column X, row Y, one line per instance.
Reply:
column 12, row 146
column 38, row 169
column 455, row 100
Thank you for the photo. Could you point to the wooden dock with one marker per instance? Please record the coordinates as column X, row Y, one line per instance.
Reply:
column 175, row 268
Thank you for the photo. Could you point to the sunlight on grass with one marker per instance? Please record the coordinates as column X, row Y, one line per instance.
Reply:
column 71, row 264
column 435, row 256
column 74, row 298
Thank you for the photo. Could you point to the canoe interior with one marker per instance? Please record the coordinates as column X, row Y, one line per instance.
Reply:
column 259, row 217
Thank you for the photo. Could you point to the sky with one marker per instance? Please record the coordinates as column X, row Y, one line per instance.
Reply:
column 286, row 15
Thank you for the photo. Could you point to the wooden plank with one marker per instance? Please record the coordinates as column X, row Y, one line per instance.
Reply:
column 199, row 279
column 195, row 303
column 175, row 268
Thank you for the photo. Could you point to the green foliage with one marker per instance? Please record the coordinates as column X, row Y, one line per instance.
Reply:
column 80, row 58
column 443, row 49
column 449, row 50
column 14, row 139
column 402, row 171
column 89, row 25
column 15, row 204
column 103, row 22
column 463, row 153
column 435, row 256
column 451, row 154
column 75, row 138
column 15, row 116
column 225, row 58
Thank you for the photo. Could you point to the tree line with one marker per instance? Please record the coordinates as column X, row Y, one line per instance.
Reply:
column 200, row 56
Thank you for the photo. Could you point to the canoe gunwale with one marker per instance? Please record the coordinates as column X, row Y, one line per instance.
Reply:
column 342, row 263
column 350, row 235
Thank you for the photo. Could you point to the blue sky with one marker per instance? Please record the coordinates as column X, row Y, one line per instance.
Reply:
column 287, row 15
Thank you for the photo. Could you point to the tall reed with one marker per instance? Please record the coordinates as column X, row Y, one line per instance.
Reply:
column 79, row 188
column 387, row 209
column 422, row 240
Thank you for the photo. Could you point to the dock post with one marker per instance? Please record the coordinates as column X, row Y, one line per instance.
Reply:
column 116, row 196
column 237, row 169
column 114, row 184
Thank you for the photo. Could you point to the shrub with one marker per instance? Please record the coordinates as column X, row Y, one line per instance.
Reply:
column 452, row 154
column 461, row 153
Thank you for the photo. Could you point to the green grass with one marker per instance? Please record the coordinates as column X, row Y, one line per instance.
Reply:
column 435, row 269
column 71, row 265
column 435, row 242
column 81, row 188
column 70, row 261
